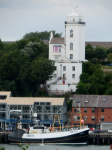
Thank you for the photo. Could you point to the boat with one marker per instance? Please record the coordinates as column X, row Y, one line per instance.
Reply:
column 39, row 134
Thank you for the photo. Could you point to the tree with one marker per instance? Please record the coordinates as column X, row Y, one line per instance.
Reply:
column 89, row 54
column 43, row 36
column 109, row 91
column 97, row 82
column 100, row 53
column 109, row 50
column 84, row 78
column 109, row 56
column 82, row 89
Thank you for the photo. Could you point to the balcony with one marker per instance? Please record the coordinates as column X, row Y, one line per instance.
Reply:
column 64, row 78
column 76, row 22
column 56, row 53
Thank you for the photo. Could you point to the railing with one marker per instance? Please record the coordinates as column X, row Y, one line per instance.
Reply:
column 56, row 92
column 64, row 78
column 74, row 22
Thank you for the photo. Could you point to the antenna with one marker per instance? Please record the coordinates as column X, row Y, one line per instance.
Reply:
column 74, row 8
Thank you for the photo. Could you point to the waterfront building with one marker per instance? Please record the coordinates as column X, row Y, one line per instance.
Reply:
column 45, row 107
column 68, row 53
column 95, row 109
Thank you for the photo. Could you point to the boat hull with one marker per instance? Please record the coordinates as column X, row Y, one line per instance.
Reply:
column 73, row 138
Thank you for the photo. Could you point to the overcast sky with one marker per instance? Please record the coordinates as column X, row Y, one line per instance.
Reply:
column 18, row 17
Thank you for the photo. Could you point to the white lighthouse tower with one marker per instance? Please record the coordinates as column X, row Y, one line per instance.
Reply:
column 68, row 53
column 75, row 37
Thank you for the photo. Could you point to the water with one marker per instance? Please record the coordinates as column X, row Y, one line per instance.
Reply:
column 55, row 147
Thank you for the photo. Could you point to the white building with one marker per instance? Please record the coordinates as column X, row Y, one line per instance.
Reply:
column 68, row 54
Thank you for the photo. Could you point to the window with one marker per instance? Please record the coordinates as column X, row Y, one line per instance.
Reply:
column 47, row 103
column 73, row 76
column 64, row 68
column 75, row 110
column 75, row 118
column 103, row 100
column 73, row 68
column 71, row 46
column 80, row 20
column 55, row 75
column 59, row 49
column 78, row 118
column 78, row 110
column 73, row 20
column 85, row 110
column 93, row 110
column 71, row 33
column 94, row 46
column 93, row 118
column 71, row 56
column 102, row 118
column 85, row 118
column 102, row 109
column 56, row 49
column 64, row 76
column 41, row 103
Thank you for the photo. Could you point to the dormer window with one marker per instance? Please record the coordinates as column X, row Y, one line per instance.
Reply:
column 71, row 33
column 103, row 100
column 56, row 48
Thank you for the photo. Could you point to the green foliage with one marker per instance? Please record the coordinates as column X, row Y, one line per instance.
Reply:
column 82, row 89
column 2, row 148
column 109, row 50
column 93, row 80
column 23, row 66
column 109, row 56
column 23, row 147
column 84, row 78
column 108, row 91
column 43, row 36
column 100, row 53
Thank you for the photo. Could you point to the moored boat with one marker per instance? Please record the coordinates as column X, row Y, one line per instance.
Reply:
column 58, row 135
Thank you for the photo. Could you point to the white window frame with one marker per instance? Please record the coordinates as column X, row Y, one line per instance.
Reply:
column 73, row 68
column 71, row 46
column 71, row 33
column 71, row 56
column 73, row 76
column 64, row 68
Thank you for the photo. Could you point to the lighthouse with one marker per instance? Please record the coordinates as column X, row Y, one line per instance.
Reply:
column 68, row 53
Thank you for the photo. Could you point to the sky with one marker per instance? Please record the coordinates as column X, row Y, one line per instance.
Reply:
column 18, row 17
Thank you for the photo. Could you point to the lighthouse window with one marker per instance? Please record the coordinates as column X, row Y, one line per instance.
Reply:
column 71, row 56
column 71, row 33
column 71, row 46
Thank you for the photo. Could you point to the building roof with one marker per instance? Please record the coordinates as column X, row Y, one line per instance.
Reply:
column 98, row 101
column 105, row 44
column 57, row 40
column 31, row 100
column 8, row 93
column 85, row 100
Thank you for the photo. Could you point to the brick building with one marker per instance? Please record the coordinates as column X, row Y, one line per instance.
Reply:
column 94, row 109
